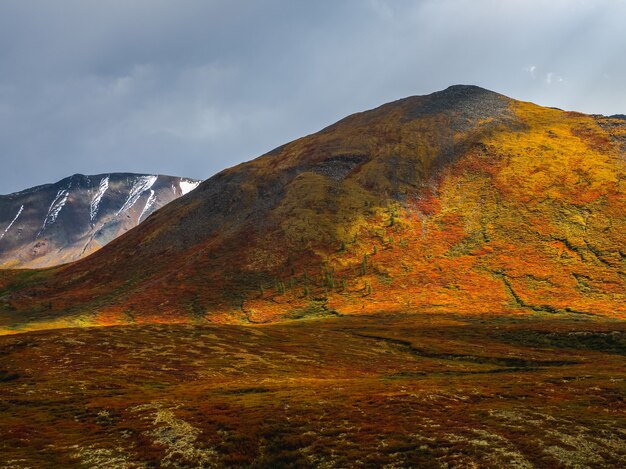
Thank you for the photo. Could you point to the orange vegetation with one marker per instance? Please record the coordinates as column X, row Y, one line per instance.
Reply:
column 461, row 201
column 423, row 391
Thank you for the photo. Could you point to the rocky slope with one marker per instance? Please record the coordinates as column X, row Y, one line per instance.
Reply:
column 62, row 222
column 463, row 200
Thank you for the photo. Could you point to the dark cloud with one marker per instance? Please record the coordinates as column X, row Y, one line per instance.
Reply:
column 188, row 87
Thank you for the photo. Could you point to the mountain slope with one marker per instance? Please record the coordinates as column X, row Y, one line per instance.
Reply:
column 463, row 200
column 62, row 222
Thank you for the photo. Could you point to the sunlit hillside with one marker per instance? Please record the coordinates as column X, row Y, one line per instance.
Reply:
column 459, row 201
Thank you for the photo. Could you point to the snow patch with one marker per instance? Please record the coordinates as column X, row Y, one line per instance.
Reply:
column 141, row 185
column 19, row 212
column 187, row 186
column 55, row 208
column 149, row 203
column 95, row 202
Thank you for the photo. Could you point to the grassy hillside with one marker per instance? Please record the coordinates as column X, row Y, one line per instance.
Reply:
column 460, row 201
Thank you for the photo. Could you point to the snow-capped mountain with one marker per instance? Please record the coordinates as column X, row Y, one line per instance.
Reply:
column 63, row 222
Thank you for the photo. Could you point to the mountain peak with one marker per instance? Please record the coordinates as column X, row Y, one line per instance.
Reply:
column 432, row 202
column 466, row 89
column 463, row 106
column 465, row 92
column 66, row 220
column 462, row 92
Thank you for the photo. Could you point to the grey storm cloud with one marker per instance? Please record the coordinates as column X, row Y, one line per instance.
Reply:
column 189, row 87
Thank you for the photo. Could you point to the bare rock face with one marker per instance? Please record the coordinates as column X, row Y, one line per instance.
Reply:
column 58, row 223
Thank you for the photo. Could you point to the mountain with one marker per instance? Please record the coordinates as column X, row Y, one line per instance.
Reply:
column 459, row 201
column 62, row 222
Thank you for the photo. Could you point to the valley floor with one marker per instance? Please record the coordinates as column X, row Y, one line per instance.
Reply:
column 378, row 391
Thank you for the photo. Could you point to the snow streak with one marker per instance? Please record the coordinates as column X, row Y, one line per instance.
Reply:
column 149, row 203
column 55, row 208
column 141, row 185
column 19, row 212
column 187, row 186
column 95, row 203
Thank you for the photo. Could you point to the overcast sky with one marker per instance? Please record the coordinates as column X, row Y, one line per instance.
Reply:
column 189, row 87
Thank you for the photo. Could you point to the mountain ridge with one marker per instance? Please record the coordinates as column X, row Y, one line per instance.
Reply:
column 90, row 208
